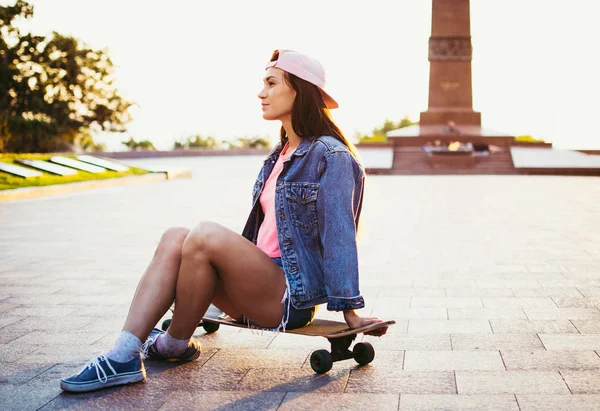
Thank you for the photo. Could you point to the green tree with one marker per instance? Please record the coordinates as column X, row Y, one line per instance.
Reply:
column 197, row 141
column 53, row 89
column 250, row 142
column 379, row 134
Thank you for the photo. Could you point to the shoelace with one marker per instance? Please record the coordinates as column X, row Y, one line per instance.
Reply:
column 146, row 346
column 96, row 363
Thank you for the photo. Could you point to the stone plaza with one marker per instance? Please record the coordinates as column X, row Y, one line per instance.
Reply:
column 494, row 283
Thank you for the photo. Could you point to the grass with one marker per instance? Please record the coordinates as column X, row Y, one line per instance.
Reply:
column 9, row 181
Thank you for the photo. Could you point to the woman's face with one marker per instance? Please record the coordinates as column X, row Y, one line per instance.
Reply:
column 277, row 96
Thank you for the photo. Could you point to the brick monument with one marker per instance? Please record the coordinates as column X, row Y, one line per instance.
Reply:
column 449, row 137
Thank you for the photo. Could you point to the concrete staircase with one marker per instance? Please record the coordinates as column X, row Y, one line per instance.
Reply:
column 414, row 161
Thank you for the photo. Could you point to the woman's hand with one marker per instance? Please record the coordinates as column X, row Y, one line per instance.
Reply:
column 356, row 321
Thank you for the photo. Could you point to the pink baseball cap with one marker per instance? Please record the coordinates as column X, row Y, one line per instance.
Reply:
column 306, row 68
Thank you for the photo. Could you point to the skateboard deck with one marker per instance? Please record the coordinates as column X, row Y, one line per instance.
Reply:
column 338, row 333
column 317, row 328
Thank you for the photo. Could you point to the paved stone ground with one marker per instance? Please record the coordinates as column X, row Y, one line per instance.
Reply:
column 494, row 282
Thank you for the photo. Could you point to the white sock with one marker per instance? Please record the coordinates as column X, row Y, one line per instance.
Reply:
column 125, row 349
column 167, row 345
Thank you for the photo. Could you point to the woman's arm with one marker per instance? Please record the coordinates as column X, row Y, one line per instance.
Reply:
column 338, row 206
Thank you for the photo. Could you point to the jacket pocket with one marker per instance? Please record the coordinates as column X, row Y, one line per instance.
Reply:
column 302, row 203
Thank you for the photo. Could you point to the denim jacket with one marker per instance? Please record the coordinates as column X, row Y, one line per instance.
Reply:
column 318, row 200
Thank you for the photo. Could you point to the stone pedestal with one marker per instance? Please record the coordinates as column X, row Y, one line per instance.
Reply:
column 450, row 116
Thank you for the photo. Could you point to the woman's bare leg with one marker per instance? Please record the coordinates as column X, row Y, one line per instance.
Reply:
column 156, row 290
column 219, row 266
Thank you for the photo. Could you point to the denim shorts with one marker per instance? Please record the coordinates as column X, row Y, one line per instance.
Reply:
column 292, row 317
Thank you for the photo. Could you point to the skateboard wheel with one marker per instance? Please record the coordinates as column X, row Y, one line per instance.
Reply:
column 321, row 361
column 364, row 353
column 165, row 325
column 210, row 327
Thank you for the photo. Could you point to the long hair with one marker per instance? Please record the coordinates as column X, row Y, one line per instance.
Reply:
column 310, row 116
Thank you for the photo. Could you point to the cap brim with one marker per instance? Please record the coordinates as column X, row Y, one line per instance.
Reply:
column 329, row 101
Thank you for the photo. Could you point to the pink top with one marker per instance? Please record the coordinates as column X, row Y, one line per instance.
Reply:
column 267, row 234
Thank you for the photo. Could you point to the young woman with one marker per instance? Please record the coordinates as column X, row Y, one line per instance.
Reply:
column 297, row 250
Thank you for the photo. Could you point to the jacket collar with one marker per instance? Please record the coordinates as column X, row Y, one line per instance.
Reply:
column 303, row 147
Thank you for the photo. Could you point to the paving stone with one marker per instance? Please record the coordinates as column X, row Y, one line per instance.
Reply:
column 40, row 311
column 18, row 373
column 479, row 292
column 410, row 292
column 304, row 380
column 510, row 382
column 429, row 342
column 444, row 283
column 27, row 396
column 8, row 319
column 558, row 292
column 514, row 283
column 446, row 302
column 589, row 302
column 11, row 353
column 551, row 360
column 223, row 400
column 528, row 402
column 517, row 326
column 240, row 339
column 582, row 382
column 15, row 290
column 296, row 401
column 587, row 326
column 383, row 359
column 139, row 396
column 285, row 341
column 7, row 336
column 500, row 342
column 448, row 326
column 562, row 313
column 590, row 291
column 49, row 323
column 259, row 358
column 100, row 311
column 581, row 342
column 436, row 402
column 71, row 354
column 453, row 360
column 386, row 380
column 412, row 313
column 60, row 338
column 388, row 303
column 50, row 299
column 485, row 313
column 567, row 282
column 525, row 302
column 525, row 252
column 104, row 324
column 193, row 376
column 5, row 308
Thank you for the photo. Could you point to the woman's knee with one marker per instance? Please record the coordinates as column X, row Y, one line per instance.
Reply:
column 171, row 242
column 202, row 239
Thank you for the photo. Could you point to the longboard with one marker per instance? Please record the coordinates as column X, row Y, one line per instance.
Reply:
column 338, row 333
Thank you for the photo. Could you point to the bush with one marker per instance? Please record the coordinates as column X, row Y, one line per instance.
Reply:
column 249, row 142
column 138, row 146
column 197, row 141
column 379, row 134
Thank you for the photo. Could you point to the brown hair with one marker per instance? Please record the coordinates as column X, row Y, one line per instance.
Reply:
column 310, row 116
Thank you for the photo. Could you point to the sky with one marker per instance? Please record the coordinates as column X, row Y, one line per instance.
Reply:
column 196, row 66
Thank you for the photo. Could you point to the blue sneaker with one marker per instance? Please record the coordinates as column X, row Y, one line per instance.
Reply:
column 150, row 351
column 102, row 372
